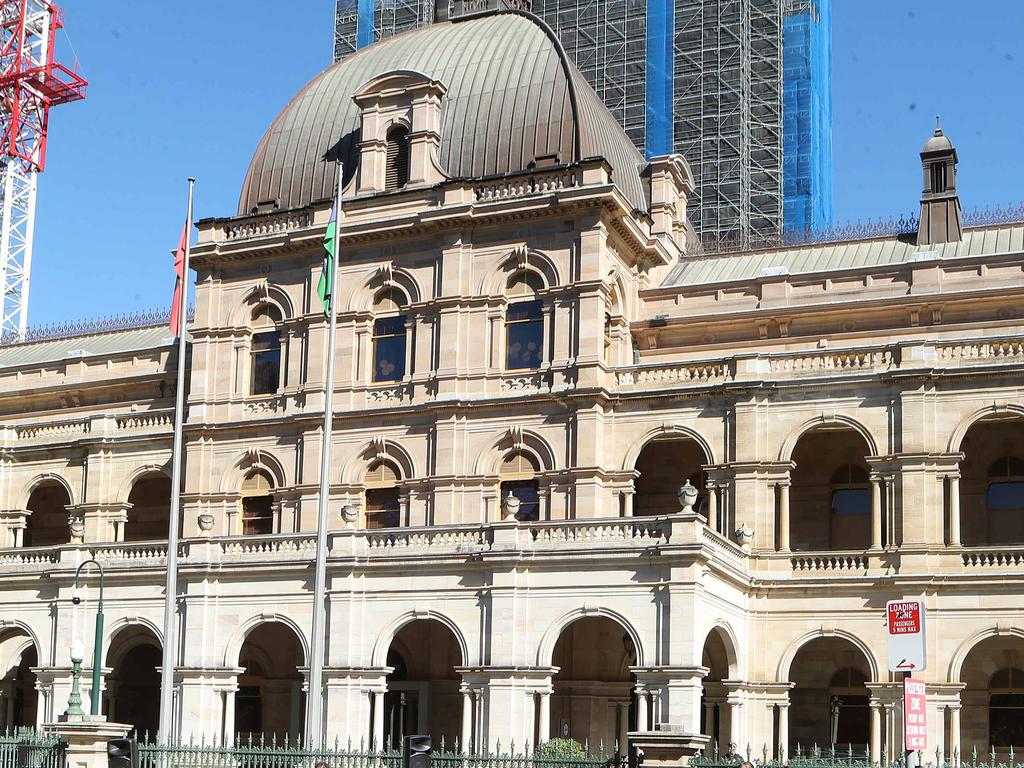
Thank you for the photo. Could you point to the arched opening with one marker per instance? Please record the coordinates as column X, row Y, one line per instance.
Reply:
column 270, row 703
column 47, row 524
column 830, row 496
column 257, row 504
column 992, row 483
column 18, row 696
column 829, row 699
column 396, row 159
column 519, row 481
column 716, row 713
column 265, row 370
column 423, row 690
column 992, row 704
column 662, row 467
column 389, row 336
column 524, row 322
column 383, row 498
column 133, row 685
column 593, row 689
column 149, row 516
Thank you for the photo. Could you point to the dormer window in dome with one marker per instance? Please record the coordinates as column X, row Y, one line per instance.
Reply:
column 396, row 163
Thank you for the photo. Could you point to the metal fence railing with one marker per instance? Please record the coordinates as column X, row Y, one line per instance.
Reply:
column 27, row 749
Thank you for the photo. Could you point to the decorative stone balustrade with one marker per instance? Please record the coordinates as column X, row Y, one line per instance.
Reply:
column 154, row 551
column 426, row 539
column 150, row 421
column 295, row 546
column 711, row 372
column 980, row 351
column 994, row 558
column 521, row 186
column 267, row 224
column 32, row 556
column 829, row 563
column 843, row 360
column 628, row 531
column 53, row 431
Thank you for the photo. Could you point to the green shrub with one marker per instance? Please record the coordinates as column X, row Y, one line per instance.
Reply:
column 561, row 749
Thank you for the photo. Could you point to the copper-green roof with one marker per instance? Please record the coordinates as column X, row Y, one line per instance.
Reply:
column 513, row 96
column 852, row 254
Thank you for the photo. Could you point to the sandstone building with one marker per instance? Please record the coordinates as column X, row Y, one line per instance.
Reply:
column 533, row 356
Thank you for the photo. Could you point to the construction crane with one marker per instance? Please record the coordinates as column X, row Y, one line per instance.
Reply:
column 30, row 83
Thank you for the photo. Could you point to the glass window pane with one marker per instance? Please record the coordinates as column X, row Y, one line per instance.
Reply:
column 525, row 344
column 257, row 515
column 383, row 509
column 1006, row 495
column 529, row 498
column 389, row 326
column 389, row 358
column 525, row 310
column 851, row 501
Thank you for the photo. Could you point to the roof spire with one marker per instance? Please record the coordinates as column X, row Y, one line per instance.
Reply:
column 940, row 219
column 938, row 125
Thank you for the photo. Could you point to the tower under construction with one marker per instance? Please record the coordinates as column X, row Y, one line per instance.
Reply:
column 740, row 88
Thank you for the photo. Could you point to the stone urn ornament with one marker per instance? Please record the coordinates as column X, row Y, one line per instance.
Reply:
column 510, row 506
column 744, row 536
column 349, row 513
column 76, row 527
column 687, row 495
column 205, row 520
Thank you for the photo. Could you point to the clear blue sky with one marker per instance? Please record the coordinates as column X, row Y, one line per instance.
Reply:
column 188, row 88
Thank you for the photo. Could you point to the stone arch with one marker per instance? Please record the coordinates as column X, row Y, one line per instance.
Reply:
column 729, row 641
column 258, row 459
column 516, row 439
column 546, row 648
column 789, row 444
column 128, row 622
column 786, row 662
column 956, row 439
column 46, row 477
column 19, row 625
column 385, row 276
column 263, row 292
column 379, row 655
column 666, row 430
column 233, row 649
column 378, row 449
column 18, row 637
column 956, row 663
column 140, row 473
column 521, row 259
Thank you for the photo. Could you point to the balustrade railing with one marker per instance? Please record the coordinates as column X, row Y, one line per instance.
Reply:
column 521, row 186
column 633, row 531
column 830, row 562
column 993, row 557
column 267, row 224
column 130, row 551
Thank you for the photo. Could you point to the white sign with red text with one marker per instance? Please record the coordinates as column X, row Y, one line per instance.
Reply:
column 905, row 626
column 915, row 715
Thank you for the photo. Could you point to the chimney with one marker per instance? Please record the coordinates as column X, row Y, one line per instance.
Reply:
column 940, row 220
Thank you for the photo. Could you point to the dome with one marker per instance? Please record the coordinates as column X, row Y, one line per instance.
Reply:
column 513, row 99
column 939, row 142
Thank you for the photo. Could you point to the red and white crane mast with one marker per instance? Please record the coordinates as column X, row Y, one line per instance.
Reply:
column 30, row 83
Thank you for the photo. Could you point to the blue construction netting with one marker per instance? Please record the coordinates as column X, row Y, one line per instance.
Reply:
column 364, row 28
column 807, row 116
column 659, row 78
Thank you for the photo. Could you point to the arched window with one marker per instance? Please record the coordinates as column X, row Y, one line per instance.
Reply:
column 524, row 323
column 389, row 337
column 257, row 504
column 396, row 164
column 1006, row 708
column 518, row 478
column 851, row 493
column 47, row 523
column 1006, row 484
column 383, row 503
column 265, row 376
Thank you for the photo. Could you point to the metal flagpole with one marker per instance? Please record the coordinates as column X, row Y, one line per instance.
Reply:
column 314, row 697
column 171, row 585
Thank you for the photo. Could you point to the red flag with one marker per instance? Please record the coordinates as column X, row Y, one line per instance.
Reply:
column 179, row 270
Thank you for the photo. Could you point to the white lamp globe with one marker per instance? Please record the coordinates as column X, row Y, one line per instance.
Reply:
column 77, row 651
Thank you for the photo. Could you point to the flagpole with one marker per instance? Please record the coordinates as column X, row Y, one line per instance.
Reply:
column 314, row 697
column 170, row 648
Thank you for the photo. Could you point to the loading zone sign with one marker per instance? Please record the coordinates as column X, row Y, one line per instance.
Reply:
column 905, row 624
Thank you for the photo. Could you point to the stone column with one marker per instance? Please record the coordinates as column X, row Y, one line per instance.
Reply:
column 623, row 745
column 641, row 709
column 875, row 737
column 467, row 721
column 544, row 717
column 713, row 507
column 954, row 510
column 954, row 734
column 876, row 511
column 783, row 517
column 709, row 721
column 229, row 716
column 378, row 719
column 783, row 731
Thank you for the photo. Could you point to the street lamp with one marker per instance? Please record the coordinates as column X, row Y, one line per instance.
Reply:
column 75, row 699
column 97, row 652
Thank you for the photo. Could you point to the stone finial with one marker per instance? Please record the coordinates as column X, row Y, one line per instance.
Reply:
column 687, row 496
column 744, row 535
column 510, row 506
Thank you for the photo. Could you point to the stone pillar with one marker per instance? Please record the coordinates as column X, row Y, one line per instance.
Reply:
column 544, row 717
column 875, row 731
column 954, row 734
column 954, row 510
column 876, row 511
column 378, row 720
column 623, row 738
column 87, row 741
column 709, row 721
column 466, row 738
column 229, row 716
column 783, row 731
column 783, row 517
column 713, row 507
column 641, row 709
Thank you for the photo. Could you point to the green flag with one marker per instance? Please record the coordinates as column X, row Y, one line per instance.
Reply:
column 325, row 287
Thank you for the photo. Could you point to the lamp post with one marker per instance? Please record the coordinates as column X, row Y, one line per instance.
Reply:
column 97, row 652
column 75, row 699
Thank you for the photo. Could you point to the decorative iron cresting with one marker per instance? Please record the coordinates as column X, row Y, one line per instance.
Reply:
column 150, row 318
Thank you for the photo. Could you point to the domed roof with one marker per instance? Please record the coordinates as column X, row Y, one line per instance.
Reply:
column 513, row 98
column 938, row 141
